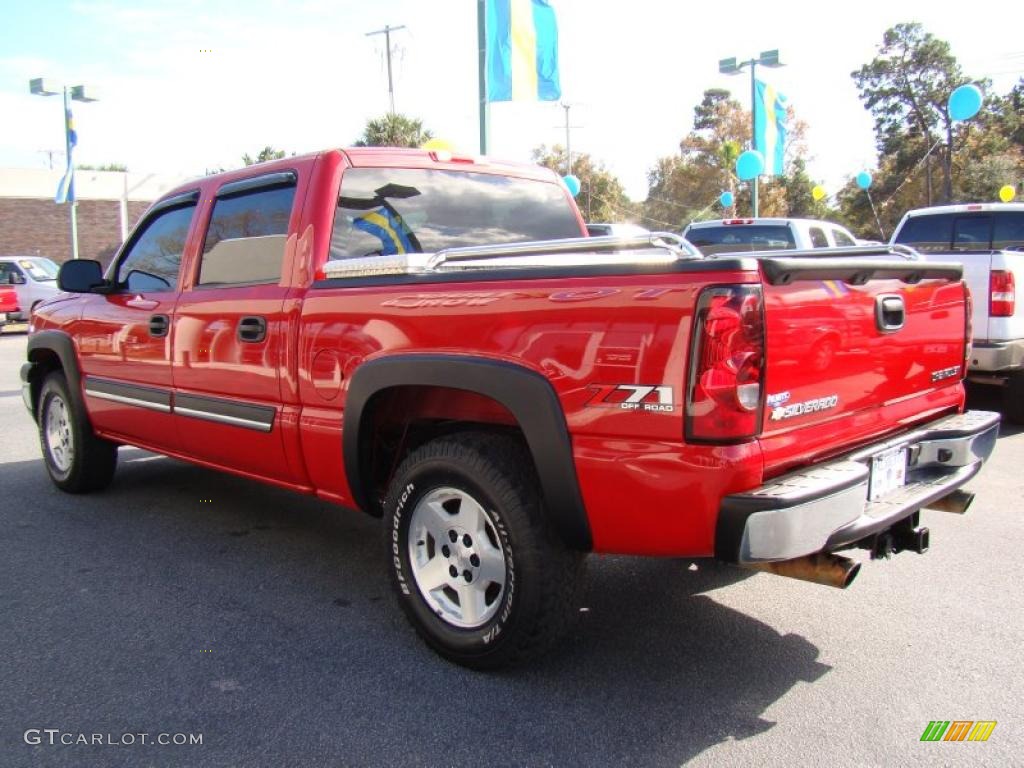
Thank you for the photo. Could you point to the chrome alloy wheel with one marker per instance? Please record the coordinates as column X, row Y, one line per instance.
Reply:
column 58, row 434
column 457, row 558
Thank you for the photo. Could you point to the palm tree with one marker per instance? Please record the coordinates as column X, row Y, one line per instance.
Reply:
column 394, row 130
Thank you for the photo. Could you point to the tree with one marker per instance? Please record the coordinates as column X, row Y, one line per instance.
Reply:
column 907, row 87
column 601, row 196
column 394, row 130
column 265, row 154
column 687, row 187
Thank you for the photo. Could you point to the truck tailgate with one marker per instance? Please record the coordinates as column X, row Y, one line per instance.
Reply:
column 852, row 354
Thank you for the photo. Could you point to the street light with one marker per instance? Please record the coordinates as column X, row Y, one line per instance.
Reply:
column 732, row 67
column 43, row 87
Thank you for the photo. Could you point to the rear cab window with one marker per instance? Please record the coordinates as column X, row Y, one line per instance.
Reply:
column 929, row 232
column 842, row 238
column 388, row 211
column 245, row 240
column 818, row 239
column 1008, row 230
column 731, row 238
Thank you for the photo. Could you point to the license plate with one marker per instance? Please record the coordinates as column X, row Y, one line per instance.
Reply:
column 888, row 472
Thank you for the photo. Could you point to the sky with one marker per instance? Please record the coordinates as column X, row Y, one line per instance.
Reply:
column 193, row 84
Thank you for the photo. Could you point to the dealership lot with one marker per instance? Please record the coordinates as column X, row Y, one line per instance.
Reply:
column 182, row 601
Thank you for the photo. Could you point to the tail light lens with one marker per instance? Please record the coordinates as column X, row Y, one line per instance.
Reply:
column 724, row 395
column 968, row 328
column 1002, row 298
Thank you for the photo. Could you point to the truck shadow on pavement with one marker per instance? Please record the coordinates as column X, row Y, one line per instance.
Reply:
column 189, row 600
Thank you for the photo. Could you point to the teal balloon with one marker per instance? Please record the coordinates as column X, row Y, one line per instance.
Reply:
column 964, row 102
column 726, row 199
column 864, row 180
column 749, row 165
column 572, row 183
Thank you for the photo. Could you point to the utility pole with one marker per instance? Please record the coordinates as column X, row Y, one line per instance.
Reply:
column 568, row 144
column 387, row 43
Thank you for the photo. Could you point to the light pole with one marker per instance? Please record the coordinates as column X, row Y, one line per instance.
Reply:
column 732, row 67
column 388, row 29
column 42, row 87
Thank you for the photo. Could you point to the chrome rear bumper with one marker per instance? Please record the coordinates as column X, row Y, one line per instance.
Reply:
column 826, row 507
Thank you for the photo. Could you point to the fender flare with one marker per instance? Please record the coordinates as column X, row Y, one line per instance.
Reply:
column 527, row 395
column 61, row 345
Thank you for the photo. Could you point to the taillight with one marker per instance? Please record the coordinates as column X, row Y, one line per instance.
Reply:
column 1002, row 299
column 968, row 328
column 724, row 395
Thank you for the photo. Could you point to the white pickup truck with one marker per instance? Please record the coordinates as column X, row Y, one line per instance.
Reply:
column 988, row 239
column 766, row 234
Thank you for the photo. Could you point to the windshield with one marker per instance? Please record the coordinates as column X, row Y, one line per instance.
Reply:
column 386, row 211
column 732, row 238
column 39, row 269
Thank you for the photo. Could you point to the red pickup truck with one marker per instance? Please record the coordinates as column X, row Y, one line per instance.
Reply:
column 8, row 304
column 432, row 339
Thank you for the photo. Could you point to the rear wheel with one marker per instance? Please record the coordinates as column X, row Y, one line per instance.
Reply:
column 476, row 567
column 1013, row 398
column 76, row 459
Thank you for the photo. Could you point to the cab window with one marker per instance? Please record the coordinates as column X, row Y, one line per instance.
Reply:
column 928, row 232
column 246, row 238
column 842, row 238
column 153, row 259
column 972, row 233
column 818, row 239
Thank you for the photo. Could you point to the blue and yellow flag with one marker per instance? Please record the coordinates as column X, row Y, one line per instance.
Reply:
column 388, row 228
column 522, row 51
column 66, row 188
column 770, row 128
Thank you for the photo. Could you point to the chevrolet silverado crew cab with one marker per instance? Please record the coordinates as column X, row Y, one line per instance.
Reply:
column 766, row 234
column 434, row 340
column 988, row 239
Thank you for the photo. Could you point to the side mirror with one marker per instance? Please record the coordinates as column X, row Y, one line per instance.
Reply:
column 15, row 279
column 80, row 276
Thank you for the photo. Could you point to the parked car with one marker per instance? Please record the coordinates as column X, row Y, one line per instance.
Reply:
column 436, row 342
column 34, row 279
column 8, row 304
column 988, row 239
column 766, row 234
column 620, row 229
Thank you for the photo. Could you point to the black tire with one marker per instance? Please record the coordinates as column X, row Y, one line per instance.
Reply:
column 77, row 460
column 1013, row 398
column 536, row 603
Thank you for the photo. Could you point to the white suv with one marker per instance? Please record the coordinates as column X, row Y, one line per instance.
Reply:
column 34, row 279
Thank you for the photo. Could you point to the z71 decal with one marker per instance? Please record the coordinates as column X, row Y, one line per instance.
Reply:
column 633, row 397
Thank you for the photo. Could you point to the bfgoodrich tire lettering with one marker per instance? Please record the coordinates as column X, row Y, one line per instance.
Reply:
column 537, row 592
column 76, row 459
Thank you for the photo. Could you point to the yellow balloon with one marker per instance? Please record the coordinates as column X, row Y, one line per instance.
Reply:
column 438, row 145
column 818, row 192
column 1007, row 193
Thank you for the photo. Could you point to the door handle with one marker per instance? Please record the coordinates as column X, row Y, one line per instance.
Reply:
column 159, row 325
column 890, row 313
column 252, row 329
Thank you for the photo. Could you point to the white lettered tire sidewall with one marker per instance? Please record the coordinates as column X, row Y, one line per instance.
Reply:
column 411, row 487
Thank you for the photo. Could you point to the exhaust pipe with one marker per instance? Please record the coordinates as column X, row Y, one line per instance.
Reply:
column 821, row 568
column 957, row 502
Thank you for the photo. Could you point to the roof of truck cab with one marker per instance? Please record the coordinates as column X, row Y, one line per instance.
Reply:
column 966, row 208
column 379, row 157
column 740, row 221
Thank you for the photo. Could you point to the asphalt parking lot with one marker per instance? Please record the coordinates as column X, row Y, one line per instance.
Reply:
column 184, row 601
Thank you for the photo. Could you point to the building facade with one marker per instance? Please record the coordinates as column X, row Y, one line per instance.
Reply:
column 109, row 205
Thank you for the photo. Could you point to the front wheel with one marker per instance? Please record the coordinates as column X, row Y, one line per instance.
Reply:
column 476, row 567
column 76, row 459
